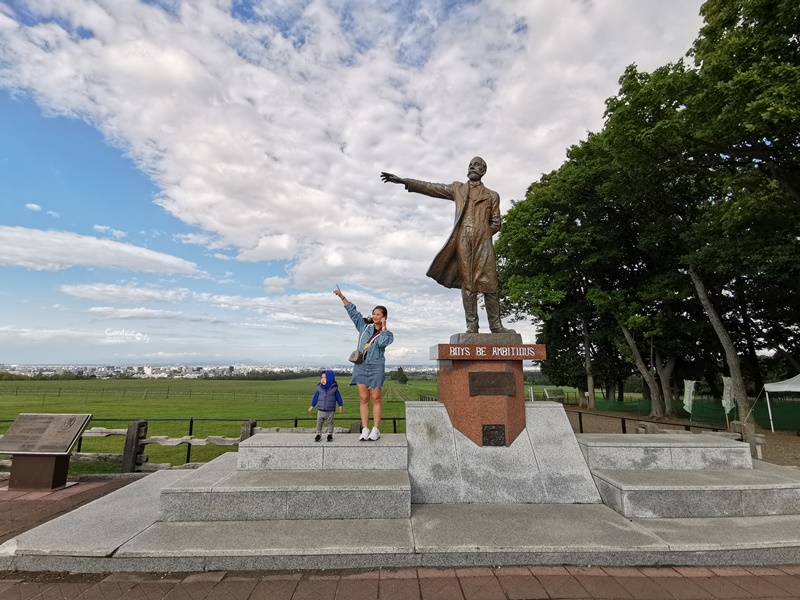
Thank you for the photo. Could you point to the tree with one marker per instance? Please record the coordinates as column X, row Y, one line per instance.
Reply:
column 399, row 375
column 685, row 203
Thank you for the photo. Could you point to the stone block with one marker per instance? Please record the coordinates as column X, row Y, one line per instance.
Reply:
column 775, row 501
column 285, row 494
column 368, row 456
column 563, row 470
column 349, row 504
column 725, row 458
column 291, row 451
column 498, row 475
column 486, row 338
column 123, row 514
column 222, row 506
column 655, row 452
column 432, row 461
column 543, row 465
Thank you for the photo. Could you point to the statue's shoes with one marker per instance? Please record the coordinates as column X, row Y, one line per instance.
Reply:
column 503, row 330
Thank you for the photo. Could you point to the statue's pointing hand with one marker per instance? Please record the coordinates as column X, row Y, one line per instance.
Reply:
column 391, row 178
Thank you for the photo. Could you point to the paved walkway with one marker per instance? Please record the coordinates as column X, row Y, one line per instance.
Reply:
column 21, row 511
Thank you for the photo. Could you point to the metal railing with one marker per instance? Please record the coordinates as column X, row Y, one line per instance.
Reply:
column 623, row 421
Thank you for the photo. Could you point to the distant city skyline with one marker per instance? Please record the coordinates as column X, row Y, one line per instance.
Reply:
column 184, row 182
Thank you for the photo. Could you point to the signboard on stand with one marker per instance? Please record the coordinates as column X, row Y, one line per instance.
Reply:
column 40, row 445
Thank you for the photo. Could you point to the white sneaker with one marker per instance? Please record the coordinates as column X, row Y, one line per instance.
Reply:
column 375, row 434
column 364, row 434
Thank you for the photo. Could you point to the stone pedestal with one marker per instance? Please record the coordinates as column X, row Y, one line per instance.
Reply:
column 38, row 472
column 542, row 466
column 482, row 387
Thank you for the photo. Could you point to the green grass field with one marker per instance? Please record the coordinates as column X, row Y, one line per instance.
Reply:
column 218, row 407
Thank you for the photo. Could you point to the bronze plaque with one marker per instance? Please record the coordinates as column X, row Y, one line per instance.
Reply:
column 43, row 434
column 492, row 383
column 494, row 435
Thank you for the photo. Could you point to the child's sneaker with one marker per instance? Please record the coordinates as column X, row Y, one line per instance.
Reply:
column 364, row 434
column 375, row 434
column 330, row 437
column 318, row 437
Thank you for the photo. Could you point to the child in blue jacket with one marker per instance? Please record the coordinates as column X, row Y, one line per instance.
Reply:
column 325, row 399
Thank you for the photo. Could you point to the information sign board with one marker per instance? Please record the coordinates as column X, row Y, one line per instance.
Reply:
column 43, row 434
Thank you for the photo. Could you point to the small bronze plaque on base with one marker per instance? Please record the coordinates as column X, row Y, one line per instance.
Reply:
column 492, row 383
column 494, row 435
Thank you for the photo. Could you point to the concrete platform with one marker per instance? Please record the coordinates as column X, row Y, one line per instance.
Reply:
column 612, row 451
column 95, row 539
column 292, row 451
column 673, row 493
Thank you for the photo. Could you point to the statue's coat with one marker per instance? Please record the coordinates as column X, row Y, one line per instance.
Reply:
column 480, row 270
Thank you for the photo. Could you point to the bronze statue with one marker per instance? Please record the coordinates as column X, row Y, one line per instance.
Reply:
column 467, row 260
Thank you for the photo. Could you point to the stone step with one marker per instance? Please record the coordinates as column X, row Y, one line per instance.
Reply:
column 659, row 452
column 216, row 492
column 295, row 451
column 681, row 493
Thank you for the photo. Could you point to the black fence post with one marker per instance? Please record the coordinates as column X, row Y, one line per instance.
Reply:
column 189, row 445
column 580, row 422
column 624, row 426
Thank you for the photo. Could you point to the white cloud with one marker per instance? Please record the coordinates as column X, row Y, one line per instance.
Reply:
column 55, row 250
column 201, row 239
column 125, row 294
column 33, row 207
column 271, row 141
column 115, row 233
column 274, row 285
column 107, row 312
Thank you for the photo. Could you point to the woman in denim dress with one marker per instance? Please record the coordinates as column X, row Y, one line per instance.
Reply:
column 373, row 337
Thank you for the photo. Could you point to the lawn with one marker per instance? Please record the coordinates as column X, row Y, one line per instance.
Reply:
column 171, row 406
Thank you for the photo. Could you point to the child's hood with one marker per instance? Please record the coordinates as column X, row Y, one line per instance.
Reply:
column 330, row 379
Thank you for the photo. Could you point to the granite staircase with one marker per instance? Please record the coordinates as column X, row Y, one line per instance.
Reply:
column 687, row 475
column 280, row 476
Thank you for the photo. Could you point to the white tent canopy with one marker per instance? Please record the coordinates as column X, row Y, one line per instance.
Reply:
column 787, row 385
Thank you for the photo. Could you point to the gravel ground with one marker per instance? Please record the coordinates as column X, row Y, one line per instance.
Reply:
column 782, row 447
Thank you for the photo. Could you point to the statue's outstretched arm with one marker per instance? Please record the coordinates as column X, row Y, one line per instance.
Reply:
column 391, row 178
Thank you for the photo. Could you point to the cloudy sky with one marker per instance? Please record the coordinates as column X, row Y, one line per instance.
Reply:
column 186, row 182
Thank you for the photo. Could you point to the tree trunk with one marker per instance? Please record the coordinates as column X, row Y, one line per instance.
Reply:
column 582, row 403
column 665, row 376
column 731, row 356
column 587, row 364
column 656, row 406
column 752, row 357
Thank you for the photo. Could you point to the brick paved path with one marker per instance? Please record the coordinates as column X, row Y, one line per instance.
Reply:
column 21, row 511
column 517, row 583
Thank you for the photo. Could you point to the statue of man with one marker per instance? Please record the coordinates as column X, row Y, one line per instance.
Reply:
column 467, row 260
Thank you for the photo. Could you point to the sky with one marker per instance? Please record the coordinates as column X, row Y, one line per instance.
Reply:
column 187, row 182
